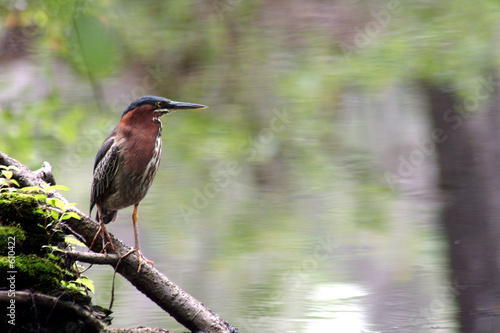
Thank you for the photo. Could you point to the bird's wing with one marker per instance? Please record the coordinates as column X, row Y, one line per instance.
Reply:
column 105, row 167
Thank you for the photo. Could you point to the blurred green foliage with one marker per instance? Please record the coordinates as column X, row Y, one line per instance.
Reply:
column 232, row 54
column 246, row 62
column 249, row 64
column 92, row 47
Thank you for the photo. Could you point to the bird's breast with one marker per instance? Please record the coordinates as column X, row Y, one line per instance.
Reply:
column 144, row 155
column 154, row 162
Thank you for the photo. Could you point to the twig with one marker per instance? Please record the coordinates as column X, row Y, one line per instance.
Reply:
column 94, row 258
column 99, row 259
column 113, row 285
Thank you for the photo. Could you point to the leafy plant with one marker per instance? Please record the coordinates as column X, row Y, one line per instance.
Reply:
column 72, row 242
column 81, row 284
column 7, row 174
column 53, row 209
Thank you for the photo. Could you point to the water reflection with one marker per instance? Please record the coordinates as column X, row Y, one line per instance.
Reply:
column 336, row 308
column 273, row 269
column 332, row 252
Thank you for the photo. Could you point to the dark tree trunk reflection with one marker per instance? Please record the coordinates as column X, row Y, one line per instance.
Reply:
column 469, row 162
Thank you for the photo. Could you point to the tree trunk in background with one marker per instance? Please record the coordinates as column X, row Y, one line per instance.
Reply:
column 469, row 162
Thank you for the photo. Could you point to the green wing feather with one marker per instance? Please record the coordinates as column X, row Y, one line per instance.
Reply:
column 105, row 168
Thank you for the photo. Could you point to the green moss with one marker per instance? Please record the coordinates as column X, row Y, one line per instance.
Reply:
column 22, row 211
column 11, row 235
column 34, row 272
column 16, row 206
column 21, row 217
column 23, row 202
column 27, row 239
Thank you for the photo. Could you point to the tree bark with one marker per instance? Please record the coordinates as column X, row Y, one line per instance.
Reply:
column 183, row 307
column 40, row 311
column 469, row 162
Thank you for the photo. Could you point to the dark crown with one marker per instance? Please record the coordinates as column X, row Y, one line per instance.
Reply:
column 145, row 100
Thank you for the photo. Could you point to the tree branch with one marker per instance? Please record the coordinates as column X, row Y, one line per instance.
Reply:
column 183, row 307
column 44, row 306
column 94, row 258
column 45, row 173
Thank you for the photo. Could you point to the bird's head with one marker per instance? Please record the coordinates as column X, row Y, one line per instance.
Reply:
column 155, row 107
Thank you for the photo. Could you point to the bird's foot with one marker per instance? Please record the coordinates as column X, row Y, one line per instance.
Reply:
column 106, row 239
column 140, row 257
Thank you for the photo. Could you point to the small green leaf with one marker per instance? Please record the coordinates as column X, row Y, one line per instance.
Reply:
column 55, row 214
column 41, row 197
column 7, row 174
column 53, row 248
column 72, row 215
column 57, row 187
column 10, row 167
column 53, row 257
column 83, row 280
column 13, row 181
column 32, row 188
column 73, row 240
column 69, row 205
column 58, row 203
column 71, row 285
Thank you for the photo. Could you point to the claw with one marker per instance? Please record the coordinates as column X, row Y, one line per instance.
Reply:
column 104, row 235
column 140, row 257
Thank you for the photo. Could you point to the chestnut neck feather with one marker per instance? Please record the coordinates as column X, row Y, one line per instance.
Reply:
column 140, row 127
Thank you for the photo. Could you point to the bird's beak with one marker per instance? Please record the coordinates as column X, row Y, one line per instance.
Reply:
column 181, row 105
column 174, row 106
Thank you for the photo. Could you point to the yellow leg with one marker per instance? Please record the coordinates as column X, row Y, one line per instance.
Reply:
column 137, row 247
column 104, row 235
column 135, row 218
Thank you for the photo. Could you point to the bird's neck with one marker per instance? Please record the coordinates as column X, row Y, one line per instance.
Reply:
column 137, row 124
column 142, row 139
column 157, row 121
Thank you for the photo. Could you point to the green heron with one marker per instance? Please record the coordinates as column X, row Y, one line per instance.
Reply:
column 127, row 161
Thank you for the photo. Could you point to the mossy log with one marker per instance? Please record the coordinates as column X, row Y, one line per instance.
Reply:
column 45, row 299
column 34, row 285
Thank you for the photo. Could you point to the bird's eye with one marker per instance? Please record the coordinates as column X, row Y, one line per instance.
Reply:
column 159, row 105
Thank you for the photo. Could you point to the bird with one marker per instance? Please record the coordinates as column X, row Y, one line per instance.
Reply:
column 127, row 162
